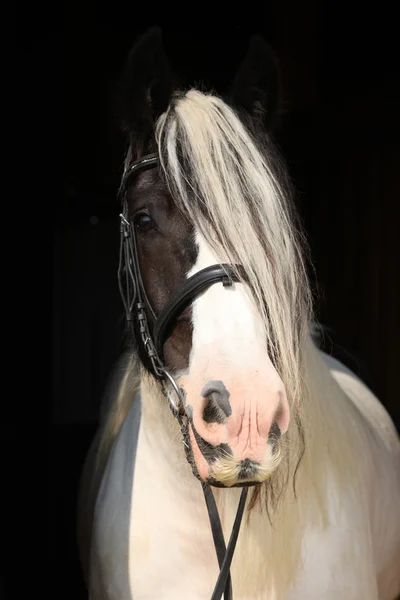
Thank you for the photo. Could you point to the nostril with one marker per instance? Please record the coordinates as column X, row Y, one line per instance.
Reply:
column 213, row 412
column 218, row 407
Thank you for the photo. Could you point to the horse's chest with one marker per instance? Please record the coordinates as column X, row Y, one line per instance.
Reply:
column 153, row 540
column 172, row 554
column 162, row 548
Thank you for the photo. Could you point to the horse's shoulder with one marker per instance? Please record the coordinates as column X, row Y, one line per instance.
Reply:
column 116, row 405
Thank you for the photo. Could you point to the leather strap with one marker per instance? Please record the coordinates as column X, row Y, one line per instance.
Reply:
column 218, row 535
column 223, row 584
column 146, row 162
column 185, row 294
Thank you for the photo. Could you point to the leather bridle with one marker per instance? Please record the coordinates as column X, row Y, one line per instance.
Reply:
column 153, row 330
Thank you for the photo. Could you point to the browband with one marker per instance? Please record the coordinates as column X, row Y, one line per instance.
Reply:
column 147, row 162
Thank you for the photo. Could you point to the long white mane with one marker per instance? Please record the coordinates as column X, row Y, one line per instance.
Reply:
column 226, row 183
column 228, row 189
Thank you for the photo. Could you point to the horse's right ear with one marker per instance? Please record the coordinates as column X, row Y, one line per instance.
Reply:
column 257, row 87
column 146, row 86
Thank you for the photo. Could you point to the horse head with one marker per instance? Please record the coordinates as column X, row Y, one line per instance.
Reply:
column 216, row 195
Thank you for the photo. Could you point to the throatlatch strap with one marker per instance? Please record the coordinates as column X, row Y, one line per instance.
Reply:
column 224, row 555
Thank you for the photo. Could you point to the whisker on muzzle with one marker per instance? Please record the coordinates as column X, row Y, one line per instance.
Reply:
column 228, row 471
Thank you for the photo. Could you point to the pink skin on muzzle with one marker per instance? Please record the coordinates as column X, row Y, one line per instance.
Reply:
column 257, row 401
column 229, row 349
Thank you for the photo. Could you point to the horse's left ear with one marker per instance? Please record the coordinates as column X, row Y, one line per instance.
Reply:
column 256, row 88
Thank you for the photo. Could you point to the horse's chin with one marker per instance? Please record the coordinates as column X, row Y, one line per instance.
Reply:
column 228, row 473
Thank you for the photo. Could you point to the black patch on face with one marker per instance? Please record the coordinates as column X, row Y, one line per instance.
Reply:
column 226, row 449
column 211, row 453
column 274, row 433
column 218, row 407
column 274, row 437
column 248, row 468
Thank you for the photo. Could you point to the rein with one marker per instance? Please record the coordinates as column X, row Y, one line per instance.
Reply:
column 138, row 308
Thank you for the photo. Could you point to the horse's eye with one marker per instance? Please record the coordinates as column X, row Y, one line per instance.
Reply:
column 143, row 222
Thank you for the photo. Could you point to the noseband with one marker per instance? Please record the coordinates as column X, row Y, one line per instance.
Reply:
column 154, row 330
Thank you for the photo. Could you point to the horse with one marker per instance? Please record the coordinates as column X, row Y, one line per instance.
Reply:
column 224, row 414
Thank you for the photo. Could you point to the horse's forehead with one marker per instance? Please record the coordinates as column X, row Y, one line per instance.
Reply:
column 148, row 180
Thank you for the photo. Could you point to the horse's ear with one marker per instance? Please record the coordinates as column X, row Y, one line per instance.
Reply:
column 257, row 88
column 146, row 86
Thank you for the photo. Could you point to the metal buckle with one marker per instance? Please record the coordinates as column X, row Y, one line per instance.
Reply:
column 173, row 383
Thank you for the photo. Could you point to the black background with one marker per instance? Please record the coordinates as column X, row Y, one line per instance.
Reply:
column 340, row 137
